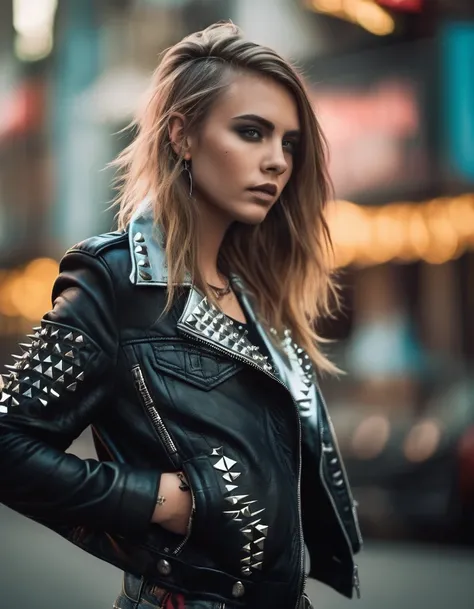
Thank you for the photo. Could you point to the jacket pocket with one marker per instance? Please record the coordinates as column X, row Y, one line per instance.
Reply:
column 195, row 365
column 210, row 530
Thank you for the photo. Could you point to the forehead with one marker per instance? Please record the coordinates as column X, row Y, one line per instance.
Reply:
column 261, row 95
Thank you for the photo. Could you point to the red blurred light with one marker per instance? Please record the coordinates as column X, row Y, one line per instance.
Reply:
column 412, row 6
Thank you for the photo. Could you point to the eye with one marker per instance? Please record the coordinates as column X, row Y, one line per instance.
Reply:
column 250, row 133
column 290, row 146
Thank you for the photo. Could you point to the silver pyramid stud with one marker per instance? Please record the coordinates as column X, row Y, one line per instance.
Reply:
column 141, row 249
column 55, row 333
column 231, row 476
column 57, row 349
column 233, row 514
column 72, row 387
column 229, row 463
column 80, row 376
column 260, row 543
column 69, row 354
column 263, row 529
column 79, row 339
column 54, row 393
column 235, row 499
column 231, row 487
column 138, row 238
column 44, row 402
column 246, row 512
column 69, row 336
column 246, row 571
column 49, row 372
column 144, row 275
column 28, row 393
column 248, row 533
column 225, row 464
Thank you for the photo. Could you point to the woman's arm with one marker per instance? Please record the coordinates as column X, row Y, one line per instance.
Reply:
column 62, row 383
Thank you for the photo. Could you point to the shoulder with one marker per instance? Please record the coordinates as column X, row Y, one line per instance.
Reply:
column 99, row 245
column 109, row 251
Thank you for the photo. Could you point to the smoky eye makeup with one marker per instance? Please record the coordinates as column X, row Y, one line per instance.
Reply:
column 249, row 132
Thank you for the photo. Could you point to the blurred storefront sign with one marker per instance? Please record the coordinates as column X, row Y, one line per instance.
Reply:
column 458, row 96
column 375, row 110
column 414, row 6
column 22, row 110
column 374, row 136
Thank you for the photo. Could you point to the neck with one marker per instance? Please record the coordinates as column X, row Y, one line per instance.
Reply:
column 212, row 228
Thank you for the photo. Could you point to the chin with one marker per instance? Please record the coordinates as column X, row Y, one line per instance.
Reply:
column 252, row 216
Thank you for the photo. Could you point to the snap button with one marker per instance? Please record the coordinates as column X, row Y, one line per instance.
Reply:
column 238, row 590
column 164, row 567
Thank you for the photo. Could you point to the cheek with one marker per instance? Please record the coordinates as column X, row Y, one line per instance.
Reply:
column 221, row 163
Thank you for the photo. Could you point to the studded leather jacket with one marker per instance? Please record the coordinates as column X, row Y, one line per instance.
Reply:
column 166, row 391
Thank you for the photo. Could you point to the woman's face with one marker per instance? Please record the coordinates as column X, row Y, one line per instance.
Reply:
column 242, row 157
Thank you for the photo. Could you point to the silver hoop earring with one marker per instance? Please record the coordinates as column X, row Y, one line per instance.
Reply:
column 187, row 169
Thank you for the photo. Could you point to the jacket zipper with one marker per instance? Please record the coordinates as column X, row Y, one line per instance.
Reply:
column 302, row 579
column 166, row 440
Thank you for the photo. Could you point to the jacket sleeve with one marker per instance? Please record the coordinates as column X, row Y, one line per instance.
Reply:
column 62, row 383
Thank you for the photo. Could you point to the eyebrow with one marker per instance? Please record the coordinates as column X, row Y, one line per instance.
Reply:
column 265, row 123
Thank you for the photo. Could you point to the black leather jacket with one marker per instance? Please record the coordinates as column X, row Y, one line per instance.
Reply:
column 184, row 390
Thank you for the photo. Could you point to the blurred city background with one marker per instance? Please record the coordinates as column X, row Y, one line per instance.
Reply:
column 393, row 85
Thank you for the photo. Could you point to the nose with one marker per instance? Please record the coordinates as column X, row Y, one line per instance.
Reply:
column 275, row 160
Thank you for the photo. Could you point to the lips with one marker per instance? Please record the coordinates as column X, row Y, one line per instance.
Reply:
column 267, row 189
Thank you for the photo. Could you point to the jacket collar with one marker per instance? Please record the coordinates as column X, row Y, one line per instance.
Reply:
column 147, row 255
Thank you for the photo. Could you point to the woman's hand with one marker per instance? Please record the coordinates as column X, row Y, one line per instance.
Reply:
column 174, row 506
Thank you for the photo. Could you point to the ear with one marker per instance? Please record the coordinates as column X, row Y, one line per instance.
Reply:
column 176, row 132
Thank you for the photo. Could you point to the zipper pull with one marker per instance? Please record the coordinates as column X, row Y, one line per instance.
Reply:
column 356, row 581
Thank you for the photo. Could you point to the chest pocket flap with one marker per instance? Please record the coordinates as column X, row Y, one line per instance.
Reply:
column 195, row 365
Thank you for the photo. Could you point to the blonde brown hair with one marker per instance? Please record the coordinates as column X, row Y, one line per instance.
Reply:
column 291, row 282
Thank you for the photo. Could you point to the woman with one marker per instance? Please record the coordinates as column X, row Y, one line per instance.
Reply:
column 186, row 340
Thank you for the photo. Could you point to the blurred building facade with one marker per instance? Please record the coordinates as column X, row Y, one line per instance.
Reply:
column 393, row 88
